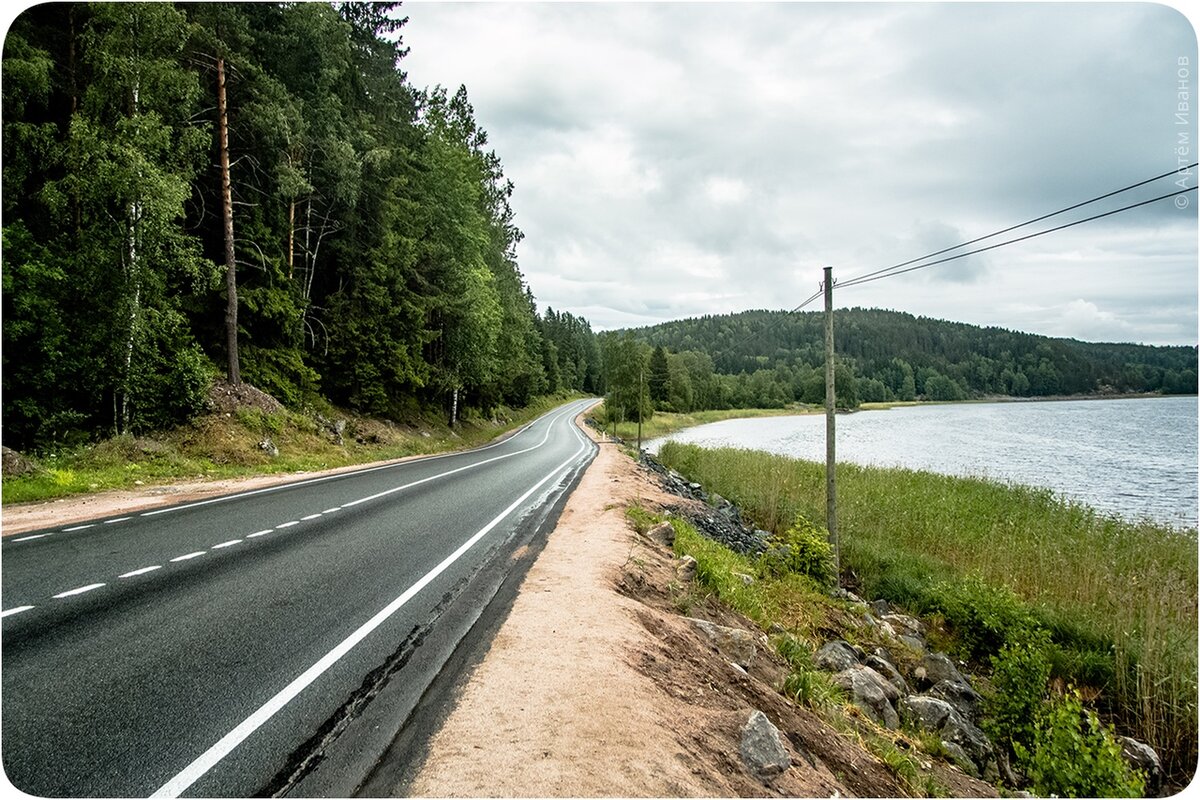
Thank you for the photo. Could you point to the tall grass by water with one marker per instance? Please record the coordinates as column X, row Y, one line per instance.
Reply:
column 1119, row 598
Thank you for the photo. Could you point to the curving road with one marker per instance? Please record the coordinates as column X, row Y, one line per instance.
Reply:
column 270, row 642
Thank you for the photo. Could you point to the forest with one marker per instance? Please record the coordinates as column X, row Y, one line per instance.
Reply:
column 767, row 359
column 253, row 192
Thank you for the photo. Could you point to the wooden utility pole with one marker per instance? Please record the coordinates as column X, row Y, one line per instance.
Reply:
column 231, row 300
column 830, row 426
column 641, row 369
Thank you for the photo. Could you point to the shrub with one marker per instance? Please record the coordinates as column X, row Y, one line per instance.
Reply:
column 1074, row 755
column 803, row 549
column 1020, row 673
column 985, row 617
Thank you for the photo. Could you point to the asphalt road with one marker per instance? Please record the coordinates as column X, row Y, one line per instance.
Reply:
column 271, row 642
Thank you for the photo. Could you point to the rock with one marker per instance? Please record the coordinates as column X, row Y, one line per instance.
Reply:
column 685, row 570
column 762, row 747
column 663, row 533
column 746, row 579
column 935, row 715
column 837, row 656
column 870, row 692
column 925, row 713
column 1142, row 756
column 881, row 608
column 734, row 644
column 268, row 447
column 16, row 464
column 905, row 625
column 959, row 756
column 888, row 671
column 965, row 700
column 935, row 668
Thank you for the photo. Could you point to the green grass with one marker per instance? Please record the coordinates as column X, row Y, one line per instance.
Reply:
column 216, row 446
column 984, row 558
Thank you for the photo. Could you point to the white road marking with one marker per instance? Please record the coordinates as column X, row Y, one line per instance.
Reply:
column 141, row 571
column 287, row 524
column 119, row 519
column 29, row 538
column 310, row 516
column 331, row 510
column 189, row 555
column 80, row 590
column 259, row 533
column 209, row 758
column 16, row 610
column 79, row 527
column 230, row 543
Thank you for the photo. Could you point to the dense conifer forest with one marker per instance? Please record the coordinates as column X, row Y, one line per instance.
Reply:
column 253, row 191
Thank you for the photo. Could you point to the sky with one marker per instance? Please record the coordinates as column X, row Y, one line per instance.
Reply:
column 675, row 160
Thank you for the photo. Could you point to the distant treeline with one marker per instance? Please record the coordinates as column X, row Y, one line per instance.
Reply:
column 366, row 228
column 770, row 358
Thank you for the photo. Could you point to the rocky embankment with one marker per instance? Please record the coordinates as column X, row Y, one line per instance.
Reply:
column 905, row 681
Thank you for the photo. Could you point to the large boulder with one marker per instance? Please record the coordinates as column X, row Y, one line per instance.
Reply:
column 935, row 668
column 888, row 670
column 735, row 644
column 15, row 464
column 762, row 747
column 837, row 655
column 872, row 693
column 1142, row 756
column 965, row 700
column 935, row 715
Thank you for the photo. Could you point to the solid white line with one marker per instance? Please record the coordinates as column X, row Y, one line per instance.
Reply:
column 16, row 610
column 79, row 527
column 119, row 519
column 259, row 533
column 189, row 555
column 310, row 516
column 230, row 543
column 209, row 758
column 287, row 524
column 141, row 571
column 29, row 538
column 80, row 590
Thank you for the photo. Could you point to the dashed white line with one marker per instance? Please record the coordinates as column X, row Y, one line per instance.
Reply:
column 230, row 543
column 287, row 524
column 118, row 519
column 29, row 538
column 310, row 516
column 16, row 610
column 80, row 590
column 331, row 510
column 259, row 533
column 189, row 555
column 79, row 527
column 141, row 571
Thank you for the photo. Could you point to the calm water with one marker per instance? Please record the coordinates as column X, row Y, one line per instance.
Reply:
column 1136, row 458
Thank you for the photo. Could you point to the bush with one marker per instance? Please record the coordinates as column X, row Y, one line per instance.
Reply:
column 985, row 617
column 1020, row 673
column 1074, row 755
column 804, row 549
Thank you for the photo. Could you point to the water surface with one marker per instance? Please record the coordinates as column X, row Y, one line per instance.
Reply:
column 1136, row 458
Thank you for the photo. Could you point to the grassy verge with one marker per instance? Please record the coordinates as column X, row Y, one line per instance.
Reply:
column 989, row 561
column 219, row 446
column 665, row 422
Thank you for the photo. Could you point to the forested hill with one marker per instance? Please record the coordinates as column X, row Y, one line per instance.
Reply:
column 253, row 190
column 892, row 355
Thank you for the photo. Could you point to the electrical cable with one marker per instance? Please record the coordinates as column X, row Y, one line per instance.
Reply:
column 876, row 276
column 1014, row 227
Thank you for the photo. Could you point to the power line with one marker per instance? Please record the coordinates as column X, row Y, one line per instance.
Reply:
column 875, row 276
column 729, row 350
column 862, row 278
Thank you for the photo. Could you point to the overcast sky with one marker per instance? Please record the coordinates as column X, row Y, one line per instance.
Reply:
column 674, row 160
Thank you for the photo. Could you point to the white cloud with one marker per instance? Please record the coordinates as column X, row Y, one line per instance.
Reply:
column 716, row 156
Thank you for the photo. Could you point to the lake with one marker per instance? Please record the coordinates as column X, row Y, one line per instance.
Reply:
column 1136, row 458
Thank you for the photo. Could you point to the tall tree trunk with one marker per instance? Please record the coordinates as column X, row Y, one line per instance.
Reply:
column 291, row 244
column 133, row 280
column 454, row 408
column 231, row 302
